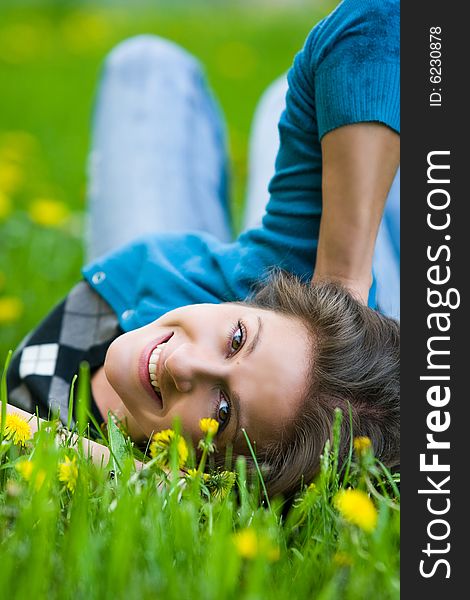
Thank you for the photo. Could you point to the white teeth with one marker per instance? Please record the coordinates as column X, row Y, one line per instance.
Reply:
column 154, row 357
column 152, row 366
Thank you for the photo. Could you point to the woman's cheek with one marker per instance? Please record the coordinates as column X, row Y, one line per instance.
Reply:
column 115, row 362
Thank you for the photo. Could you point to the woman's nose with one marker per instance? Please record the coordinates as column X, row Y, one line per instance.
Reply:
column 188, row 365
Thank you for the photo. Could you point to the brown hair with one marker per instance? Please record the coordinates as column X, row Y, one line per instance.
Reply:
column 354, row 366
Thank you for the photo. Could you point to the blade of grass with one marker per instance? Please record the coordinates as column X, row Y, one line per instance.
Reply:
column 3, row 394
column 338, row 419
column 95, row 423
column 258, row 470
column 389, row 477
column 83, row 397
column 347, row 464
column 117, row 444
column 71, row 402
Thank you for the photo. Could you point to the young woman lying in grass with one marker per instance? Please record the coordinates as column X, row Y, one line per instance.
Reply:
column 162, row 321
column 276, row 366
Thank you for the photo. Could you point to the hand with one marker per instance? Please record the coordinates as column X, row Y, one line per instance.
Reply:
column 359, row 289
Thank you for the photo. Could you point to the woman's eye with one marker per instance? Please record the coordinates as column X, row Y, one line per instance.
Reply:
column 237, row 339
column 223, row 413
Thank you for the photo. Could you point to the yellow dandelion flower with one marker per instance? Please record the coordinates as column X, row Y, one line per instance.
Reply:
column 23, row 41
column 17, row 429
column 16, row 147
column 25, row 469
column 5, row 206
column 160, row 448
column 163, row 438
column 193, row 473
column 220, row 483
column 357, row 508
column 209, row 426
column 246, row 543
column 84, row 31
column 11, row 177
column 68, row 473
column 11, row 309
column 48, row 213
column 362, row 444
column 249, row 545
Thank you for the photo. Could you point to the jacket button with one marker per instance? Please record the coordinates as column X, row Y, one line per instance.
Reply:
column 98, row 277
column 127, row 314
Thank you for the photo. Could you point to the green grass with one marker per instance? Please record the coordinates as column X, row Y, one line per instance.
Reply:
column 159, row 534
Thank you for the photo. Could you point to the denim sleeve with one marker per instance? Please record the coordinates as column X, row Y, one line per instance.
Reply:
column 347, row 72
column 354, row 57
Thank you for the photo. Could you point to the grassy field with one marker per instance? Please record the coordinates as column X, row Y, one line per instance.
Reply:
column 67, row 529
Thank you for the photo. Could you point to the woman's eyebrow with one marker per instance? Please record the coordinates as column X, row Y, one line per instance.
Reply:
column 254, row 342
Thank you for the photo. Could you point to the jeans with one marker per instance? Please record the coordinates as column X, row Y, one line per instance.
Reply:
column 159, row 158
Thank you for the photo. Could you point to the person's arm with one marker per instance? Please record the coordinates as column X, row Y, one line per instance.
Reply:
column 99, row 453
column 359, row 164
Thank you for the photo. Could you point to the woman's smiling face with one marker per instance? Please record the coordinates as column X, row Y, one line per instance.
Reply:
column 243, row 366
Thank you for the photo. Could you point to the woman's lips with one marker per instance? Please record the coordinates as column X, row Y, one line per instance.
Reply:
column 143, row 369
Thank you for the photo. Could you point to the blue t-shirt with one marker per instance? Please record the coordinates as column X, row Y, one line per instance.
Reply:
column 347, row 72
